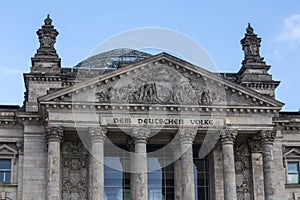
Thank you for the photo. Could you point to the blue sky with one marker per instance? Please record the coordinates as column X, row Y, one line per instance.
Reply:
column 218, row 26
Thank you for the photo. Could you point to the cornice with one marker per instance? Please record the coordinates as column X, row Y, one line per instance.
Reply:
column 160, row 107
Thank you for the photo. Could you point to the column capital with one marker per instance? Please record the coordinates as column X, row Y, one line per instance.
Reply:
column 140, row 134
column 228, row 136
column 97, row 134
column 54, row 134
column 187, row 135
column 267, row 136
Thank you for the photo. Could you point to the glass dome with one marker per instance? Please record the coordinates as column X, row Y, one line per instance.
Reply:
column 113, row 59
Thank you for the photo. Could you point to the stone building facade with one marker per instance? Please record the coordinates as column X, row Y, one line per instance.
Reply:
column 125, row 124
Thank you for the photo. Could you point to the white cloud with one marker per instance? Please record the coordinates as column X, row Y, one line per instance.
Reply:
column 291, row 30
column 9, row 71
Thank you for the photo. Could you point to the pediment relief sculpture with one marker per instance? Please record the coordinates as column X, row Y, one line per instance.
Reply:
column 161, row 84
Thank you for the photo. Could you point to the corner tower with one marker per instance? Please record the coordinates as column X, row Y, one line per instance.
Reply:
column 46, row 67
column 254, row 71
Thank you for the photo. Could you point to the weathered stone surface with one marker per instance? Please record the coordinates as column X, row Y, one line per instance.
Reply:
column 74, row 166
column 54, row 137
column 228, row 137
column 97, row 136
column 186, row 138
column 243, row 172
column 267, row 138
column 140, row 136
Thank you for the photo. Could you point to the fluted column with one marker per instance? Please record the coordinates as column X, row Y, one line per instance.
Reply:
column 228, row 137
column 97, row 137
column 141, row 136
column 186, row 138
column 54, row 137
column 267, row 138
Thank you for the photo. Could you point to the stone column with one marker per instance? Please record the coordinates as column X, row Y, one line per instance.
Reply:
column 227, row 137
column 257, row 168
column 54, row 137
column 186, row 138
column 97, row 137
column 141, row 179
column 132, row 168
column 177, row 170
column 267, row 138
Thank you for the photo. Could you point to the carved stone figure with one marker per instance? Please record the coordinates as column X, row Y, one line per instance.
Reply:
column 74, row 171
column 205, row 98
column 148, row 92
column 243, row 173
column 160, row 84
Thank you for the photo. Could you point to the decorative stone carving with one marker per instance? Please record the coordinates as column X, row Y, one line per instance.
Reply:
column 54, row 134
column 97, row 134
column 160, row 84
column 267, row 136
column 243, row 171
column 228, row 136
column 205, row 98
column 140, row 134
column 20, row 148
column 47, row 37
column 251, row 45
column 187, row 135
column 74, row 171
column 46, row 58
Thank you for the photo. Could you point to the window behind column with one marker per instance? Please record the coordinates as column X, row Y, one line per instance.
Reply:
column 161, row 180
column 116, row 175
column 201, row 173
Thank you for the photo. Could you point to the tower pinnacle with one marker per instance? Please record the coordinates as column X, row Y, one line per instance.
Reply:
column 251, row 47
column 254, row 71
column 46, row 59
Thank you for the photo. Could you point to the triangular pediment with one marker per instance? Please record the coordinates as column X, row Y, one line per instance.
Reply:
column 292, row 153
column 7, row 150
column 161, row 79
